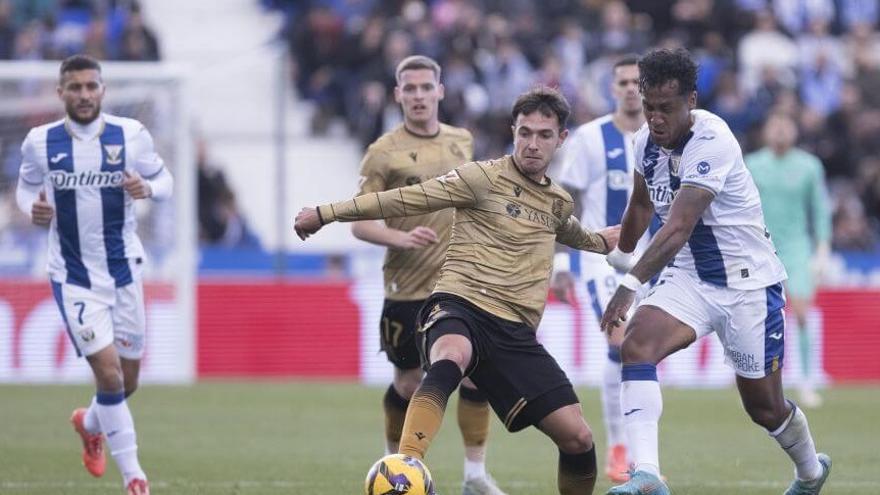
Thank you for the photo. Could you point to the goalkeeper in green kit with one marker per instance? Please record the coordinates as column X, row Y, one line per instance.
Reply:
column 791, row 182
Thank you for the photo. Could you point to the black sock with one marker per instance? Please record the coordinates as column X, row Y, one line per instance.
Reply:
column 577, row 472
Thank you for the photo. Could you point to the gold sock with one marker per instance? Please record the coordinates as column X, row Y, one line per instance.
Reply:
column 425, row 413
column 473, row 419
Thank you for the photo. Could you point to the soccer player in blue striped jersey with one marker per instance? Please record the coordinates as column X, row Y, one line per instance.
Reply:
column 721, row 275
column 80, row 177
column 598, row 171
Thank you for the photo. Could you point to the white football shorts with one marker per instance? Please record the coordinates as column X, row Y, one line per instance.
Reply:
column 750, row 323
column 98, row 318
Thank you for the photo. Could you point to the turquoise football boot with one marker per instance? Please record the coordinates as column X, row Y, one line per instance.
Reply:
column 641, row 483
column 811, row 487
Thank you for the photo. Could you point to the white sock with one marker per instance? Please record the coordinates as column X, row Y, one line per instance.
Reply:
column 118, row 427
column 90, row 420
column 474, row 469
column 795, row 439
column 611, row 403
column 642, row 405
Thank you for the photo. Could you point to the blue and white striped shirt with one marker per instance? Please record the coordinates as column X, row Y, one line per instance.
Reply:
column 729, row 246
column 93, row 231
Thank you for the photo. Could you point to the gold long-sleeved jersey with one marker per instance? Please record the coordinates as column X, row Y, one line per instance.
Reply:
column 500, row 255
column 401, row 158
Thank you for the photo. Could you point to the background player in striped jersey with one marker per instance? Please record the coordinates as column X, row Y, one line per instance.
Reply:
column 793, row 195
column 419, row 149
column 80, row 177
column 598, row 172
column 722, row 275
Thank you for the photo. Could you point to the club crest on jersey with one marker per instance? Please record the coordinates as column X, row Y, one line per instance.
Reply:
column 557, row 208
column 674, row 162
column 513, row 210
column 114, row 153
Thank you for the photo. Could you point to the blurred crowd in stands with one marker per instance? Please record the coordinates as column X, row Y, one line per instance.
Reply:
column 817, row 60
column 55, row 29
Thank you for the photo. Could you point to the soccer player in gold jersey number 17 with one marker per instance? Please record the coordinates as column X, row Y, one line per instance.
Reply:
column 419, row 149
column 480, row 320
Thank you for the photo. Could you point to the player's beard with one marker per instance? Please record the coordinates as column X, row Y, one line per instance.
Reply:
column 72, row 114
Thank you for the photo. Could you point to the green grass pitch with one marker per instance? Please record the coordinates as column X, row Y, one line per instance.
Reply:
column 252, row 438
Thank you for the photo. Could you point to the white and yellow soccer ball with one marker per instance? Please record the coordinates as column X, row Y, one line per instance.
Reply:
column 399, row 474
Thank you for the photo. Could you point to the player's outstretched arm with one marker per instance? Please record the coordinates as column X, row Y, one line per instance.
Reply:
column 463, row 187
column 376, row 232
column 572, row 234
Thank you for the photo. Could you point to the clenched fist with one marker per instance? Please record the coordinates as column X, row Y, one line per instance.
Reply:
column 136, row 186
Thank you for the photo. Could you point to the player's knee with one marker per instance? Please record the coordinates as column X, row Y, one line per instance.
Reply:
column 578, row 441
column 455, row 353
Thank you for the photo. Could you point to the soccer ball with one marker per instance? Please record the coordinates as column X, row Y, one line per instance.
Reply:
column 399, row 474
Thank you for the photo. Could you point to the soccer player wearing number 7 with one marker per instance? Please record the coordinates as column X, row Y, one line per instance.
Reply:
column 80, row 177
column 722, row 275
column 481, row 318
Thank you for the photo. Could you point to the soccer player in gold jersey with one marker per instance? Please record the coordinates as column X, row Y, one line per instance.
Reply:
column 481, row 318
column 419, row 149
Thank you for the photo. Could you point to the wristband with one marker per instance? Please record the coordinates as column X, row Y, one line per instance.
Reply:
column 620, row 260
column 320, row 218
column 631, row 282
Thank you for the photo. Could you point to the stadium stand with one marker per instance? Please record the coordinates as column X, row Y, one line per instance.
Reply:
column 818, row 61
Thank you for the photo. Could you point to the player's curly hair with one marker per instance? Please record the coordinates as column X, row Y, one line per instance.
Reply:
column 662, row 66
column 547, row 100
